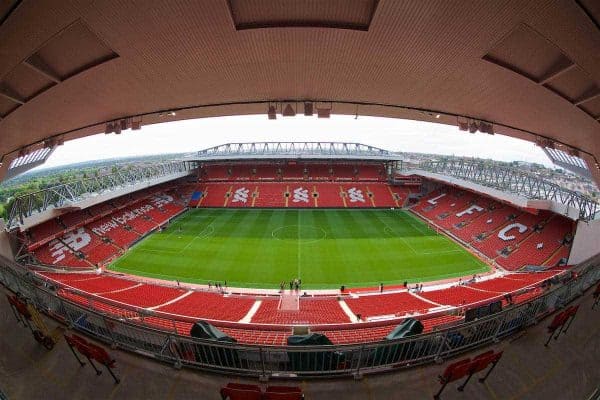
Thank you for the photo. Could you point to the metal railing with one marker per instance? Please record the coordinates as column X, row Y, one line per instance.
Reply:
column 512, row 180
column 72, row 192
column 289, row 361
column 295, row 149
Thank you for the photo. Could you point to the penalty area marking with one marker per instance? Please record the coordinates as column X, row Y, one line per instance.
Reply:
column 206, row 232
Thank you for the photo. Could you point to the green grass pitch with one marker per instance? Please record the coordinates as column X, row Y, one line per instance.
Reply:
column 325, row 248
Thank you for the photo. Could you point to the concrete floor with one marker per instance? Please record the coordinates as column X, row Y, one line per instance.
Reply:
column 567, row 370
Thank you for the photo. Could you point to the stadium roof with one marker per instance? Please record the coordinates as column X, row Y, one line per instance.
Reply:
column 295, row 150
column 525, row 68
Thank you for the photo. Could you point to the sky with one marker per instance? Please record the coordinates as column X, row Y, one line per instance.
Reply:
column 387, row 133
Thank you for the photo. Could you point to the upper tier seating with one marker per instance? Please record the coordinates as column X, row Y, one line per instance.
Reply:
column 46, row 231
column 294, row 172
column 312, row 311
column 101, row 209
column 75, row 218
column 371, row 172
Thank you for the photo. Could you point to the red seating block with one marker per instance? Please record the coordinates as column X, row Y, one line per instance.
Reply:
column 312, row 311
column 210, row 305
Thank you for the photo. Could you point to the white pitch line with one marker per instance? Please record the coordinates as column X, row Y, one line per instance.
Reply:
column 398, row 236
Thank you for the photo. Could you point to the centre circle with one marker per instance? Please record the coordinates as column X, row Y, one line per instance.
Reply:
column 299, row 233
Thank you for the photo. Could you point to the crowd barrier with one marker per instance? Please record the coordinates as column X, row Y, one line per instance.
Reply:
column 286, row 361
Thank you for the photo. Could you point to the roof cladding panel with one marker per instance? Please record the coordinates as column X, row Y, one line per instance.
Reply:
column 73, row 50
column 6, row 106
column 526, row 52
column 573, row 84
column 26, row 82
column 343, row 14
column 6, row 8
column 592, row 107
column 592, row 8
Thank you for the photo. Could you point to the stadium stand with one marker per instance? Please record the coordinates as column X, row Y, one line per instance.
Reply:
column 210, row 305
column 513, row 238
column 75, row 218
column 458, row 296
column 311, row 311
column 488, row 222
column 117, row 233
column 45, row 232
column 101, row 284
column 270, row 195
column 356, row 196
column 539, row 246
column 145, row 295
column 388, row 304
column 328, row 195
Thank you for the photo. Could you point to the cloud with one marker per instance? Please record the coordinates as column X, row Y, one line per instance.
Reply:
column 388, row 133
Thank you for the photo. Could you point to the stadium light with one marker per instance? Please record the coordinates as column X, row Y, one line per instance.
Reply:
column 323, row 112
column 288, row 111
column 308, row 109
column 136, row 123
column 473, row 127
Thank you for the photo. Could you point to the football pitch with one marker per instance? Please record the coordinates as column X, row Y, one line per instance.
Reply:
column 324, row 248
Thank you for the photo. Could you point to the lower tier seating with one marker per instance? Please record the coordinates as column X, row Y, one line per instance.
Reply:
column 387, row 304
column 145, row 295
column 209, row 305
column 311, row 311
column 271, row 326
column 458, row 296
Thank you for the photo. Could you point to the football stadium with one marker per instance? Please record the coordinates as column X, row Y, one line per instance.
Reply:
column 301, row 269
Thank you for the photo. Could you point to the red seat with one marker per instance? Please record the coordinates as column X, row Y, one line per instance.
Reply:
column 283, row 393
column 239, row 391
column 456, row 371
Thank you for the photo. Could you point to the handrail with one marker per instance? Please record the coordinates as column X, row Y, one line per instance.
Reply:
column 259, row 360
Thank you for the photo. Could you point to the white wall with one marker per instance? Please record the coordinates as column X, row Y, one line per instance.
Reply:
column 587, row 241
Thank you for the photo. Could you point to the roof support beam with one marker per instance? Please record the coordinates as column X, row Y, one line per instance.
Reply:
column 557, row 70
column 10, row 94
column 590, row 95
column 36, row 63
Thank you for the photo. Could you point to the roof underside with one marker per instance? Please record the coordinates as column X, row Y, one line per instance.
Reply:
column 530, row 67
